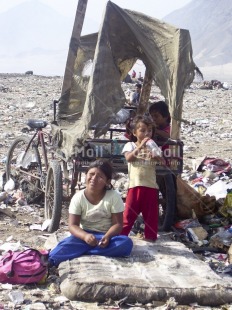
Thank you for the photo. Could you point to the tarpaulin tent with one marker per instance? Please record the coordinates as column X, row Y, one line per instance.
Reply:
column 124, row 37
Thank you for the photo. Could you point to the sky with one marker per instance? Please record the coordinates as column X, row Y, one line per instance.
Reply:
column 95, row 8
column 94, row 12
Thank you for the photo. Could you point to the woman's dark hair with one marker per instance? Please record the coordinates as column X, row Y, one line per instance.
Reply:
column 138, row 85
column 162, row 108
column 105, row 167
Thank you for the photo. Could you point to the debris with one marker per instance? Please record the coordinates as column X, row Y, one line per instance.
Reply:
column 203, row 138
column 197, row 233
column 218, row 189
column 7, row 212
column 16, row 297
column 221, row 239
column 36, row 306
column 10, row 246
column 189, row 199
column 226, row 209
column 9, row 186
column 3, row 196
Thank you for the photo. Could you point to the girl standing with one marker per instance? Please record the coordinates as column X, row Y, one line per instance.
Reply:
column 143, row 190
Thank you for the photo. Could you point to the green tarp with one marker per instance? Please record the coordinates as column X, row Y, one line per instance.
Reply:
column 124, row 37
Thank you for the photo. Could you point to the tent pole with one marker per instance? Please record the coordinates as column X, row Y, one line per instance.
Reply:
column 145, row 93
column 175, row 128
column 73, row 47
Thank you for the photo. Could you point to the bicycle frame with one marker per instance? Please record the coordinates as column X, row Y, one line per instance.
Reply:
column 38, row 139
column 41, row 134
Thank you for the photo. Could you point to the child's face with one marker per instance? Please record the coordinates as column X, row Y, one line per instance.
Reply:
column 159, row 119
column 96, row 179
column 142, row 131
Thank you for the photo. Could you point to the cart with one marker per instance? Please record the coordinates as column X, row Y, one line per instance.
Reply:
column 82, row 128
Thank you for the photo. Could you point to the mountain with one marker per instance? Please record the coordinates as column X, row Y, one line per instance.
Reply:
column 31, row 25
column 34, row 37
column 210, row 26
column 31, row 30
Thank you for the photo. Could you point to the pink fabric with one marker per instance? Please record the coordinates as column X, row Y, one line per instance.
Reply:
column 216, row 165
column 166, row 129
column 23, row 267
column 158, row 139
column 145, row 200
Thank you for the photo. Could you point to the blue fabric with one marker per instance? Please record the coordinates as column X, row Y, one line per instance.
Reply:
column 136, row 97
column 73, row 247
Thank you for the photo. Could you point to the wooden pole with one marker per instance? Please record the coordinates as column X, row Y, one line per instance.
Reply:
column 73, row 47
column 145, row 94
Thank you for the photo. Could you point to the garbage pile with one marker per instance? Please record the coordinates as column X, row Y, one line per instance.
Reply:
column 204, row 213
column 214, row 84
column 209, row 229
column 211, row 238
column 206, row 228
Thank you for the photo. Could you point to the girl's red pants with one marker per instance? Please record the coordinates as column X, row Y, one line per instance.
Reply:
column 143, row 200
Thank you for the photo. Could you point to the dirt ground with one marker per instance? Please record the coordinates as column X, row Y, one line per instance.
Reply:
column 206, row 131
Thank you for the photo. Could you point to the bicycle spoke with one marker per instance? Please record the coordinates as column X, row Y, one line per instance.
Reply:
column 24, row 168
column 50, row 198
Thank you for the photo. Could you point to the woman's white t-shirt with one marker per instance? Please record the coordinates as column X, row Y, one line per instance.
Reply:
column 96, row 217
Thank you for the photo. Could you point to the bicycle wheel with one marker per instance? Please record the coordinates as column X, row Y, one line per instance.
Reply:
column 53, row 196
column 167, row 205
column 24, row 168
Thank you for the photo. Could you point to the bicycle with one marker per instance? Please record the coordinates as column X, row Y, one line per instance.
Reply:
column 32, row 173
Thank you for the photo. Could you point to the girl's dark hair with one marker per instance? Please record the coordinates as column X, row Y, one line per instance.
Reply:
column 162, row 108
column 138, row 85
column 140, row 119
column 105, row 167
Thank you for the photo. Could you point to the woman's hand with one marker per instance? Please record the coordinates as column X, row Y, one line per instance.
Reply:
column 90, row 239
column 115, row 229
column 103, row 243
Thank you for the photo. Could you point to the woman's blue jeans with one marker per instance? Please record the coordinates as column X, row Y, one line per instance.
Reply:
column 72, row 247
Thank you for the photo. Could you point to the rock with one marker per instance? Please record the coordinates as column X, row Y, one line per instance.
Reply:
column 37, row 306
column 16, row 297
column 3, row 196
column 29, row 72
column 7, row 212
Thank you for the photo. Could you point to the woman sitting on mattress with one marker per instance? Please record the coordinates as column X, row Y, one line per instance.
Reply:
column 95, row 219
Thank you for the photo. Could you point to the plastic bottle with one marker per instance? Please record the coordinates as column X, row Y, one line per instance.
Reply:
column 156, row 151
column 224, row 237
